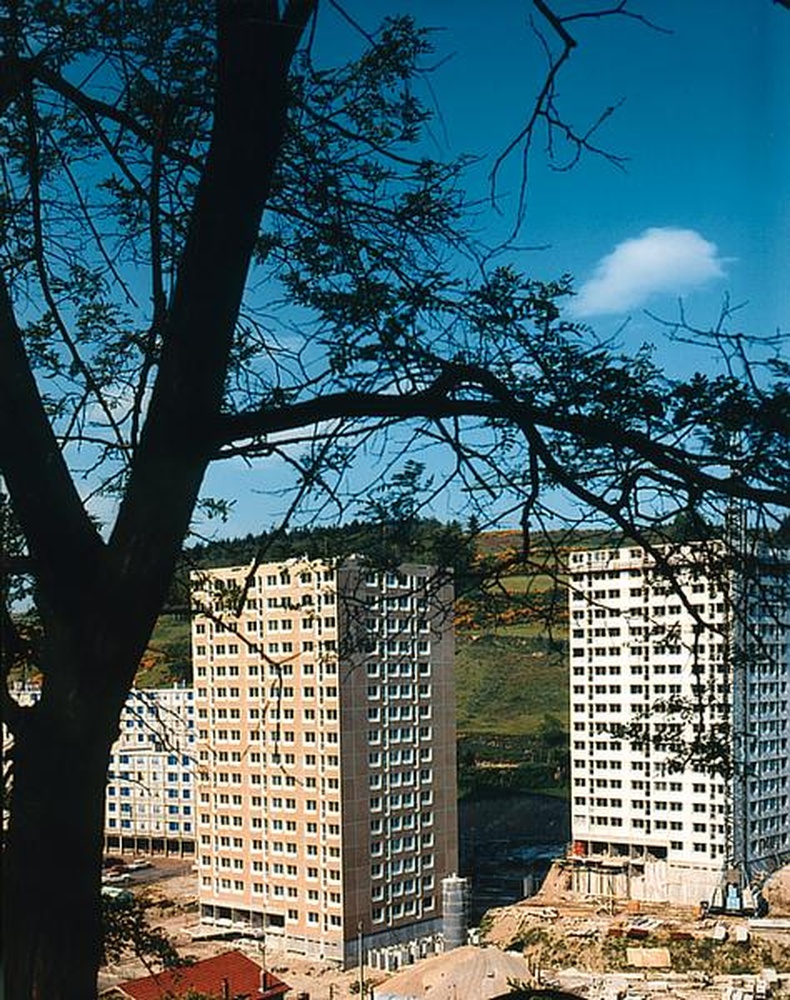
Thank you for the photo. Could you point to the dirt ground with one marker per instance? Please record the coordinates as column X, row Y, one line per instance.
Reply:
column 553, row 931
column 777, row 893
column 556, row 931
column 169, row 889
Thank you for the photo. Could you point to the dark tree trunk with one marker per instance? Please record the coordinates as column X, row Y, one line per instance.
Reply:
column 52, row 860
column 96, row 630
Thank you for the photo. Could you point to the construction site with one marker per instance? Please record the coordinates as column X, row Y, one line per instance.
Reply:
column 557, row 940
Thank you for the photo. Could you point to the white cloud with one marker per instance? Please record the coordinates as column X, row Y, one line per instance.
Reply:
column 658, row 260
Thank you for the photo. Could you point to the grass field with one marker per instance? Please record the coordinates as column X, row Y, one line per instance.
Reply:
column 511, row 674
column 525, row 584
column 507, row 683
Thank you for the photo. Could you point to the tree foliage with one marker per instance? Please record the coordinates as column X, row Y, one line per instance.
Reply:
column 385, row 541
column 367, row 315
column 127, row 931
column 215, row 246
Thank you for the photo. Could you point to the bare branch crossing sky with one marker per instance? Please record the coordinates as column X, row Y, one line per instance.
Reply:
column 699, row 210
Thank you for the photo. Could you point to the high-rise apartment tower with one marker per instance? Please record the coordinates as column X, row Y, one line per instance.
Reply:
column 690, row 641
column 326, row 747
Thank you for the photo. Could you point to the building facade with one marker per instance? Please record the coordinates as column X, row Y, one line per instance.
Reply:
column 664, row 649
column 150, row 793
column 326, row 745
column 150, row 800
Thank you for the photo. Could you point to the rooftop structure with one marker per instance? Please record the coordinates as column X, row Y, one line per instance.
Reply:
column 228, row 976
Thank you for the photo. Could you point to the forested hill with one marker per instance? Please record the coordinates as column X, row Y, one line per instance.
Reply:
column 472, row 555
column 494, row 578
column 413, row 539
column 385, row 544
column 510, row 616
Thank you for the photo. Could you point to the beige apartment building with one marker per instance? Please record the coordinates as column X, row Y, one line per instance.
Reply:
column 326, row 813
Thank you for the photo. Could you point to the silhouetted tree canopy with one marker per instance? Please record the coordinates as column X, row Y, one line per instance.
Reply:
column 215, row 247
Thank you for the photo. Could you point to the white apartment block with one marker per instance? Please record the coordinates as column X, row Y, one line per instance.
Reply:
column 150, row 796
column 150, row 800
column 326, row 744
column 700, row 646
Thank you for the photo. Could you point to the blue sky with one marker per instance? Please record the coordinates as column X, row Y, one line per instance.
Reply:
column 702, row 207
column 703, row 127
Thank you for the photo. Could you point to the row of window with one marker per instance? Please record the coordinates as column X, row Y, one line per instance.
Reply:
column 140, row 792
column 311, row 828
column 141, row 827
column 396, row 779
column 404, row 713
column 393, row 734
column 397, row 800
column 276, row 736
column 172, row 777
column 276, row 714
column 312, row 872
column 253, row 649
column 276, row 780
column 275, row 759
column 274, row 802
column 387, row 580
column 281, row 578
column 604, row 802
column 142, row 809
column 276, row 691
column 397, row 756
column 376, row 692
column 698, row 787
column 398, row 911
column 278, row 670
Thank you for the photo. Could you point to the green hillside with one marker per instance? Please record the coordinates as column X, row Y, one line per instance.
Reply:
column 507, row 684
column 510, row 624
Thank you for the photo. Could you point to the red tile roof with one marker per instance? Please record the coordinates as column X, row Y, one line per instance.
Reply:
column 242, row 975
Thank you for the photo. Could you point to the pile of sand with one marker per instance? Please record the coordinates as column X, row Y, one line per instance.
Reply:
column 481, row 973
column 777, row 892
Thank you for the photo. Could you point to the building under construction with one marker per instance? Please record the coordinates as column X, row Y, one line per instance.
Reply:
column 680, row 719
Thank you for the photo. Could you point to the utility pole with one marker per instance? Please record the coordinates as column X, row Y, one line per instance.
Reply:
column 361, row 962
column 262, row 948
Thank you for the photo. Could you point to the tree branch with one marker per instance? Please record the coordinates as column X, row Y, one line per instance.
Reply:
column 16, row 74
column 44, row 498
column 497, row 401
column 39, row 246
column 255, row 46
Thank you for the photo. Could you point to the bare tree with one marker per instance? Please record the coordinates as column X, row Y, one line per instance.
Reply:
column 154, row 320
